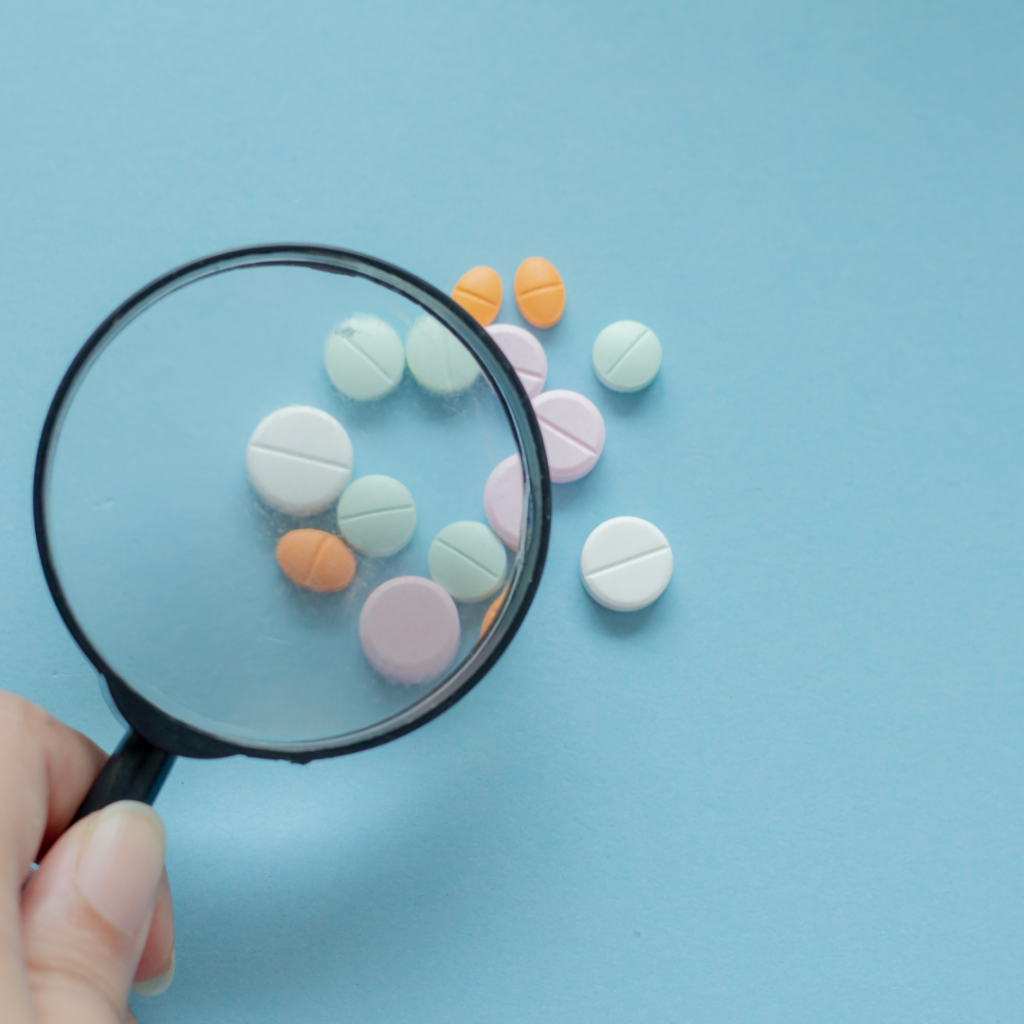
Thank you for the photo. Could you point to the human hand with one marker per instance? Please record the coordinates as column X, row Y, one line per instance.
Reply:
column 97, row 913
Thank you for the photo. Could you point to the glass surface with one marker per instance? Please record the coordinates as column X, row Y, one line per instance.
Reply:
column 165, row 554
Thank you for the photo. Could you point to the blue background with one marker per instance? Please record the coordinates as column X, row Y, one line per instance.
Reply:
column 789, row 791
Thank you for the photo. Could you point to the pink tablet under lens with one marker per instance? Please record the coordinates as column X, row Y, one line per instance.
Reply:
column 409, row 628
column 525, row 354
column 503, row 500
column 573, row 432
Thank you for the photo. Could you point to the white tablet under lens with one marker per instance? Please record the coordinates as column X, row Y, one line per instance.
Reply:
column 299, row 460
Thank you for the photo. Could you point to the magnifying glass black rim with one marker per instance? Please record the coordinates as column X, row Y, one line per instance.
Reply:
column 176, row 736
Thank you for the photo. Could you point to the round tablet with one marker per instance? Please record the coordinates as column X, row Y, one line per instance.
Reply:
column 409, row 629
column 525, row 354
column 573, row 432
column 627, row 356
column 437, row 359
column 315, row 560
column 377, row 515
column 299, row 460
column 503, row 500
column 467, row 560
column 478, row 292
column 626, row 564
column 540, row 293
column 364, row 357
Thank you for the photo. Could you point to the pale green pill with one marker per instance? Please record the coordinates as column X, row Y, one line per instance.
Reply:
column 364, row 357
column 376, row 515
column 437, row 359
column 627, row 356
column 468, row 560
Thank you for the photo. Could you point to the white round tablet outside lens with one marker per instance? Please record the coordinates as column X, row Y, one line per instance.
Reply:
column 376, row 515
column 626, row 564
column 627, row 356
column 364, row 357
column 468, row 560
column 299, row 460
column 437, row 359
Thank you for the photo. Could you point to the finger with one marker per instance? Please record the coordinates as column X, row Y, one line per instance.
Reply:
column 45, row 771
column 156, row 966
column 87, row 912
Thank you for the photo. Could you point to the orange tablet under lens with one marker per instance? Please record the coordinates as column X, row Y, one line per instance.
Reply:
column 479, row 293
column 492, row 613
column 316, row 560
column 540, row 293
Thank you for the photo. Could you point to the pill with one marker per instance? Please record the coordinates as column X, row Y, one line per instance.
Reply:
column 626, row 564
column 503, row 500
column 376, row 515
column 437, row 359
column 316, row 560
column 525, row 354
column 573, row 432
column 478, row 292
column 492, row 613
column 540, row 293
column 299, row 460
column 364, row 357
column 409, row 629
column 627, row 356
column 467, row 560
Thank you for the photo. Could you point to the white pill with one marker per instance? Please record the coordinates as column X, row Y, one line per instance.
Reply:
column 525, row 354
column 627, row 356
column 468, row 560
column 376, row 515
column 364, row 357
column 626, row 564
column 299, row 460
column 437, row 359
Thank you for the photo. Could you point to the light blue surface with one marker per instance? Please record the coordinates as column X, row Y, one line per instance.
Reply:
column 790, row 790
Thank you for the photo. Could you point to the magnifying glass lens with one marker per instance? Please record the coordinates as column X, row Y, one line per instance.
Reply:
column 169, row 559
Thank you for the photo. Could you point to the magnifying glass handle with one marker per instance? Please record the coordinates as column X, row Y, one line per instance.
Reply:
column 135, row 771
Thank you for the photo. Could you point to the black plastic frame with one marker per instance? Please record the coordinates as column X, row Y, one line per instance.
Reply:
column 176, row 737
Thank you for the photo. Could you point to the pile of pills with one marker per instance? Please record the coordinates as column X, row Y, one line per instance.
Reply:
column 300, row 462
column 626, row 562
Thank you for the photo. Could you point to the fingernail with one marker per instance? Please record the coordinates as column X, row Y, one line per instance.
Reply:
column 158, row 985
column 121, row 865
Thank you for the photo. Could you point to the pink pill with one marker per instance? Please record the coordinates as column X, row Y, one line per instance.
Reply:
column 525, row 354
column 573, row 432
column 503, row 500
column 409, row 628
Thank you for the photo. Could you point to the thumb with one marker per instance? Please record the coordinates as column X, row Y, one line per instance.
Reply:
column 87, row 911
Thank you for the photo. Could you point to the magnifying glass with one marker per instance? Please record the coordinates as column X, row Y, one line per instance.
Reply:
column 163, row 501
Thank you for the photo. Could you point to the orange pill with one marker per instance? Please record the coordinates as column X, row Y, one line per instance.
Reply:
column 492, row 613
column 540, row 293
column 316, row 560
column 479, row 293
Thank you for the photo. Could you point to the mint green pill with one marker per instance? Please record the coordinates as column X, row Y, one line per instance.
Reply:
column 627, row 356
column 376, row 515
column 437, row 359
column 468, row 560
column 364, row 357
